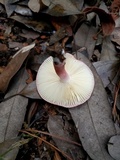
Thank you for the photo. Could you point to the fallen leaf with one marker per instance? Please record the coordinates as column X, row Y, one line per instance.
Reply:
column 29, row 34
column 39, row 26
column 63, row 8
column 13, row 66
column 15, row 45
column 115, row 36
column 108, row 51
column 84, row 38
column 93, row 119
column 37, row 60
column 9, row 7
column 23, row 10
column 106, row 70
column 30, row 91
column 34, row 5
column 12, row 111
column 106, row 19
column 56, row 126
column 114, row 147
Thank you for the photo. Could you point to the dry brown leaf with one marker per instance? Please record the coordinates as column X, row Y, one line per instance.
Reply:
column 13, row 66
column 106, row 19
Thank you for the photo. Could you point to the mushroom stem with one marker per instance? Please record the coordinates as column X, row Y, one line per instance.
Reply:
column 61, row 72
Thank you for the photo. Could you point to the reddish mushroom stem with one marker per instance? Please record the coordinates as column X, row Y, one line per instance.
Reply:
column 61, row 72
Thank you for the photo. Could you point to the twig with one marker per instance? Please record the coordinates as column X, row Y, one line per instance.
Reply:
column 48, row 144
column 58, row 137
column 114, row 110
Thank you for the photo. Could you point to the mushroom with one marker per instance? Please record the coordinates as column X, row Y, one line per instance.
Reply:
column 67, row 84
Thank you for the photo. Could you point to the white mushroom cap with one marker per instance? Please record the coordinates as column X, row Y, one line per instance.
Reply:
column 74, row 91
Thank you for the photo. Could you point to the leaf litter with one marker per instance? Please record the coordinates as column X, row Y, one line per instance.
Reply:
column 13, row 66
column 29, row 34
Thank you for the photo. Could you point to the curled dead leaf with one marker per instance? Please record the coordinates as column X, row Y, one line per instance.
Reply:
column 106, row 19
